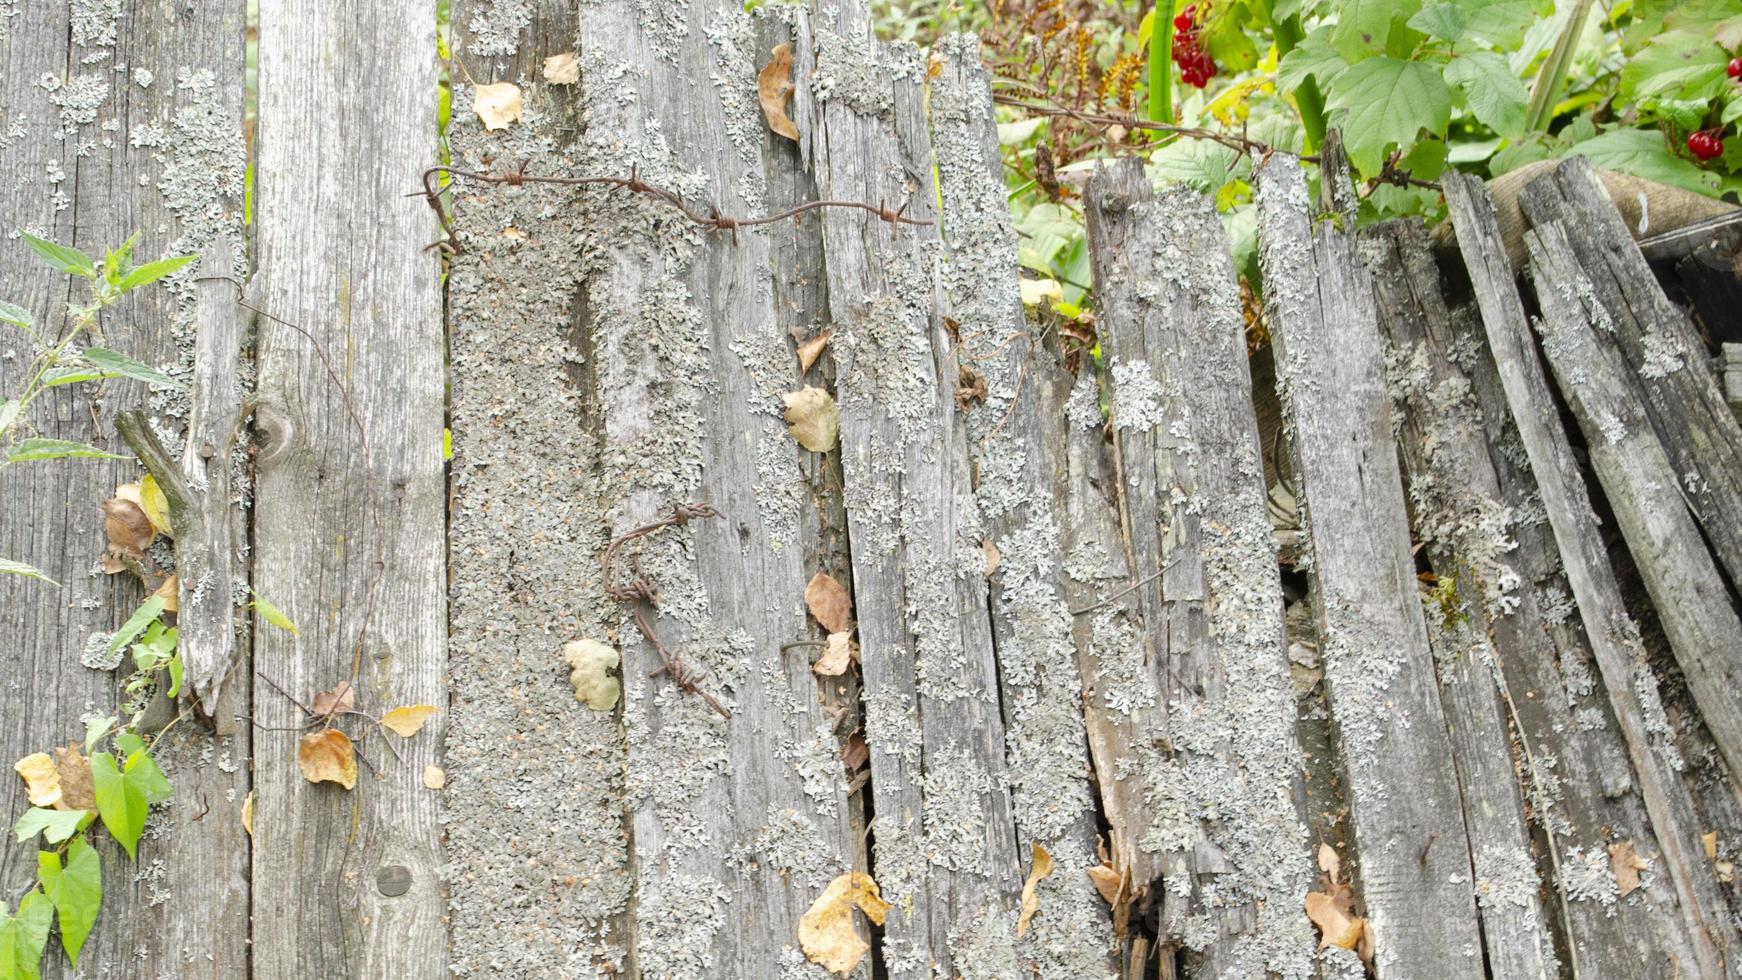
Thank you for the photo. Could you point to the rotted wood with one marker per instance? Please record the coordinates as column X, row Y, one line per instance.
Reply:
column 1414, row 867
column 944, row 839
column 1201, row 545
column 1612, row 635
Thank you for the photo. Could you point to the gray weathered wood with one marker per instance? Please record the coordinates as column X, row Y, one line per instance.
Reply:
column 1221, row 793
column 1414, row 866
column 525, row 532
column 1016, row 438
column 350, row 501
column 116, row 121
column 944, row 840
column 737, row 824
column 1613, row 637
column 1639, row 481
column 1664, row 358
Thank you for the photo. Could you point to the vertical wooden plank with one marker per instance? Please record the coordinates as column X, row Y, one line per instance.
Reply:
column 944, row 841
column 739, row 823
column 1016, row 431
column 531, row 773
column 115, row 120
column 1414, row 869
column 1613, row 636
column 350, row 524
column 1221, row 791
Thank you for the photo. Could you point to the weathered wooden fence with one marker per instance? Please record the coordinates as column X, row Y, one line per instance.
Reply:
column 1481, row 719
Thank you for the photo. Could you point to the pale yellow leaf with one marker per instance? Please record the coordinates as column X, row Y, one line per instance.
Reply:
column 563, row 69
column 434, row 777
column 328, row 756
column 837, row 654
column 590, row 664
column 41, row 779
column 1710, row 842
column 813, row 418
column 155, row 505
column 1041, row 868
column 248, row 814
column 1329, row 862
column 497, row 104
column 1337, row 927
column 1038, row 291
column 826, row 932
column 408, row 721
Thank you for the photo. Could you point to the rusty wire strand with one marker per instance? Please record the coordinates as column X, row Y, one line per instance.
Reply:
column 713, row 220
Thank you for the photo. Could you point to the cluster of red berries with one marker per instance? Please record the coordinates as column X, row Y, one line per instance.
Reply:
column 1709, row 144
column 1195, row 65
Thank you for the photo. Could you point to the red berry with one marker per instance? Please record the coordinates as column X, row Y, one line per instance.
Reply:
column 1706, row 144
column 1734, row 70
column 1183, row 22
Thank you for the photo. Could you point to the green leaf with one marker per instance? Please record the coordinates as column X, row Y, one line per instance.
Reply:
column 1677, row 65
column 1200, row 164
column 73, row 374
column 1642, row 153
column 24, row 936
column 37, row 449
column 63, row 257
column 150, row 272
column 275, row 616
column 1388, row 101
column 95, row 729
column 1427, row 161
column 1501, row 23
column 1364, row 28
column 175, row 675
column 76, row 889
column 1225, row 39
column 9, row 411
column 1313, row 57
column 1683, row 114
column 1495, row 95
column 142, row 770
column 54, row 825
column 125, row 366
column 137, row 623
column 13, row 313
column 10, row 567
column 121, row 801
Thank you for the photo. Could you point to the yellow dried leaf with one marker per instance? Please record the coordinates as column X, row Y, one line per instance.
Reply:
column 76, row 789
column 155, row 505
column 1626, row 863
column 773, row 85
column 810, row 350
column 1329, row 862
column 1336, row 926
column 328, row 756
column 248, row 814
column 341, row 698
column 41, row 779
column 563, row 69
column 826, row 932
column 1710, row 842
column 590, row 664
column 828, row 601
column 170, row 593
column 497, row 104
column 434, row 777
column 408, row 721
column 1107, row 882
column 813, row 418
column 1041, row 868
column 837, row 654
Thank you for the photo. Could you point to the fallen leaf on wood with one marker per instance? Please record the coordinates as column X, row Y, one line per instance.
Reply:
column 497, row 104
column 813, row 418
column 773, row 85
column 971, row 388
column 1710, row 842
column 434, row 777
column 1337, row 927
column 837, row 654
column 41, row 779
column 408, row 721
column 1107, row 882
column 328, row 756
column 590, row 664
column 810, row 350
column 248, row 814
column 828, row 601
column 1329, row 862
column 1041, row 868
column 826, row 932
column 1627, row 864
column 155, row 505
column 855, row 753
column 76, row 789
column 993, row 556
column 563, row 69
column 170, row 593
column 126, row 526
column 340, row 698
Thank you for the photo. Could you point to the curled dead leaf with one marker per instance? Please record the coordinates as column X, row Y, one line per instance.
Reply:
column 837, row 654
column 434, row 777
column 76, row 789
column 341, row 698
column 328, row 756
column 828, row 601
column 855, row 753
column 590, row 664
column 125, row 525
column 248, row 814
column 170, row 593
column 826, row 932
column 1627, row 864
column 813, row 418
column 1106, row 881
column 773, row 85
column 408, row 721
column 1331, row 913
column 497, row 104
column 563, row 69
column 810, row 350
column 1041, row 868
column 41, row 779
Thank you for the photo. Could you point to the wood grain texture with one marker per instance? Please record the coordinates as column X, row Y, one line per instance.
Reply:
column 944, row 840
column 118, row 119
column 1414, row 864
column 1222, row 792
column 1613, row 636
column 349, row 518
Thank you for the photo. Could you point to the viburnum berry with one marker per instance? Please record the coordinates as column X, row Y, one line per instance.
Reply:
column 1706, row 144
column 1183, row 20
column 1196, row 67
column 1734, row 69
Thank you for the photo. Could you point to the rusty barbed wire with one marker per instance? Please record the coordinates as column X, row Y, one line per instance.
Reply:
column 713, row 220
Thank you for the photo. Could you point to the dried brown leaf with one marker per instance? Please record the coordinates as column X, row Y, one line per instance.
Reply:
column 1337, row 927
column 1627, row 864
column 340, row 698
column 1329, row 862
column 76, row 791
column 328, row 756
column 563, row 69
column 855, row 753
column 828, row 601
column 408, row 721
column 497, row 104
column 41, row 779
column 810, row 350
column 128, row 529
column 993, row 556
column 773, row 85
column 813, row 418
column 1107, row 882
column 837, row 654
column 826, row 932
column 434, row 777
column 170, row 593
column 1041, row 868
